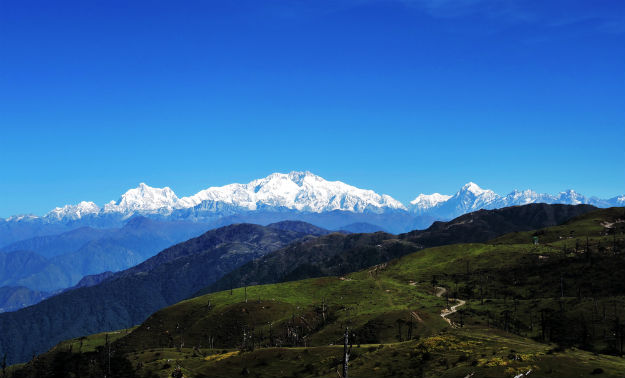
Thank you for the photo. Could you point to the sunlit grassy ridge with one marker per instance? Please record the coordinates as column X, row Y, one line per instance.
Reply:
column 89, row 343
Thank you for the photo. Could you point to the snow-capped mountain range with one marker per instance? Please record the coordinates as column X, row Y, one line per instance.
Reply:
column 297, row 193
column 471, row 198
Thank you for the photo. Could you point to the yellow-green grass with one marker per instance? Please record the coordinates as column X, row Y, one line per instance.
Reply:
column 595, row 225
column 89, row 343
column 376, row 297
column 354, row 300
column 455, row 353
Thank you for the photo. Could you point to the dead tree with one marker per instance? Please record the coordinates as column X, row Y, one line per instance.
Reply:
column 270, row 334
column 244, row 339
column 346, row 350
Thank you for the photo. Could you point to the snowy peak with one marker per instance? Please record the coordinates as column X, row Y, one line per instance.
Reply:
column 73, row 212
column 572, row 197
column 523, row 197
column 299, row 177
column 429, row 200
column 302, row 191
column 144, row 198
column 22, row 218
column 471, row 198
column 472, row 188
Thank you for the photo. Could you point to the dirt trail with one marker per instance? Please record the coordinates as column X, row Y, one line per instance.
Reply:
column 446, row 312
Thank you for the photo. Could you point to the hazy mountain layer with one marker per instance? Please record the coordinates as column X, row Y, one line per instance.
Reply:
column 126, row 298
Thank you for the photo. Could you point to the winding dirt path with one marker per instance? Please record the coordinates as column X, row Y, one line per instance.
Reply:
column 446, row 312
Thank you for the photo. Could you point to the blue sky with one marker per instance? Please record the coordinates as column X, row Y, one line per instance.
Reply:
column 402, row 97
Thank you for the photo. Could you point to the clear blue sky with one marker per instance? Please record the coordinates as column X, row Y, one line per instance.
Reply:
column 401, row 97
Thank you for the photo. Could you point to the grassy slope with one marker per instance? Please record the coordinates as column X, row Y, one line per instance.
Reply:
column 91, row 342
column 336, row 254
column 130, row 296
column 455, row 353
column 377, row 304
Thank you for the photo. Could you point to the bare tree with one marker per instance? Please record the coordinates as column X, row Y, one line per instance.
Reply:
column 347, row 347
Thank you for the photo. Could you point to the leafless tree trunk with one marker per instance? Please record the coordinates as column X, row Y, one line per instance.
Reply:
column 346, row 349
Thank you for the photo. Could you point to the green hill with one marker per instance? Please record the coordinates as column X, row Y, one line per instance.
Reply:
column 128, row 297
column 548, row 307
column 338, row 254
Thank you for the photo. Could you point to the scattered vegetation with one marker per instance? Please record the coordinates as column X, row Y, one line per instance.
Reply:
column 553, row 306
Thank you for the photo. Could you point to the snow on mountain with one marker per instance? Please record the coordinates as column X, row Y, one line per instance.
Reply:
column 295, row 192
column 468, row 198
column 302, row 191
column 73, row 212
column 571, row 197
column 614, row 201
column 145, row 199
column 426, row 201
column 471, row 198
column 22, row 218
column 523, row 197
